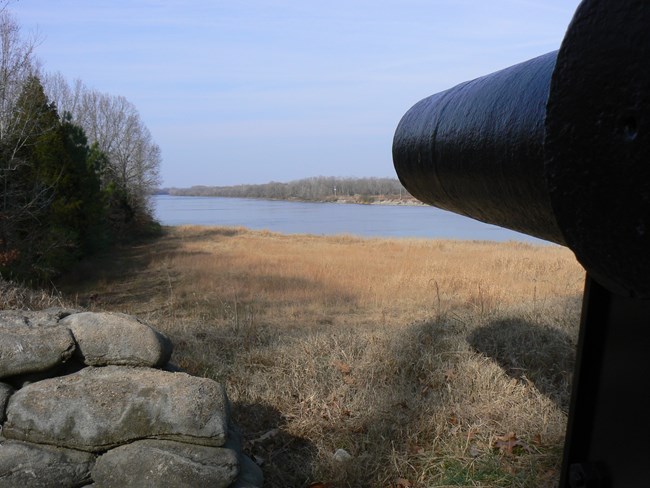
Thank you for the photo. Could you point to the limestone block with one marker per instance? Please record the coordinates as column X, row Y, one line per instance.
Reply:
column 159, row 463
column 100, row 408
column 35, row 466
column 25, row 349
column 118, row 339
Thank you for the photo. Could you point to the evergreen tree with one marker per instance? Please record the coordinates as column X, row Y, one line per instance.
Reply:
column 60, row 202
column 26, row 196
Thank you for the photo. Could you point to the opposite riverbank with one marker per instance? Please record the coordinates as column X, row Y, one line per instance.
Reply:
column 429, row 362
column 407, row 200
column 383, row 191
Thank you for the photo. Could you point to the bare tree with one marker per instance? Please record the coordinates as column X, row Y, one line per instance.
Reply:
column 65, row 97
column 19, row 124
column 16, row 65
column 114, row 124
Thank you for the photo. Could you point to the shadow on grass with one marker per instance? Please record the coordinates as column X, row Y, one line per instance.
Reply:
column 285, row 459
column 114, row 270
column 425, row 361
column 145, row 273
column 540, row 354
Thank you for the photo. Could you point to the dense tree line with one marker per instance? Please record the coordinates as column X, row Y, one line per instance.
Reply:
column 76, row 166
column 320, row 188
column 113, row 125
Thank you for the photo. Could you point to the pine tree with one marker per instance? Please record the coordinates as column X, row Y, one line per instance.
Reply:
column 58, row 205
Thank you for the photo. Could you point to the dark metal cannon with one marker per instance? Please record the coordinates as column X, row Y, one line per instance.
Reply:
column 558, row 147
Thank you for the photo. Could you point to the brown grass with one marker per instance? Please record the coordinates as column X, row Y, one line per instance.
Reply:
column 15, row 297
column 418, row 357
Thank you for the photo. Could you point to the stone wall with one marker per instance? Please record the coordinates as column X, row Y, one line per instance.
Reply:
column 91, row 399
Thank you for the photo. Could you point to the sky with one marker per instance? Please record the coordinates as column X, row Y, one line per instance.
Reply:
column 253, row 91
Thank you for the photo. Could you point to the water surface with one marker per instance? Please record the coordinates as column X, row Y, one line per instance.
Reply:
column 328, row 218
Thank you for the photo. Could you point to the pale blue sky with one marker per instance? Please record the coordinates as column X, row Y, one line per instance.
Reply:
column 249, row 91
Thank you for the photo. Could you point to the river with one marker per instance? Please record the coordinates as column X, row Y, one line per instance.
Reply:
column 328, row 218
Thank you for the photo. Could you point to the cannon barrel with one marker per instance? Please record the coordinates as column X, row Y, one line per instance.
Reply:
column 557, row 147
column 477, row 149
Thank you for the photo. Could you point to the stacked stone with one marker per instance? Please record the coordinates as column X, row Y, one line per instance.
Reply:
column 90, row 399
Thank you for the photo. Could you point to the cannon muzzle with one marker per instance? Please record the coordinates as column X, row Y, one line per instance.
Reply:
column 557, row 147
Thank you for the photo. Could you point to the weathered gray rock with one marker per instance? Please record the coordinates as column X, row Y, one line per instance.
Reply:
column 341, row 456
column 250, row 474
column 99, row 408
column 118, row 339
column 161, row 428
column 25, row 349
column 157, row 463
column 41, row 318
column 34, row 466
column 5, row 392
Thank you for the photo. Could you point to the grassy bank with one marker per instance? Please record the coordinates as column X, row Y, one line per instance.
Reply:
column 432, row 363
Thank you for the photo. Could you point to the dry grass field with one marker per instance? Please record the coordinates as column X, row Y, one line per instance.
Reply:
column 431, row 363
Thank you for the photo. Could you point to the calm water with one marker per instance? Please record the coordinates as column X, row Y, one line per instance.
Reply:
column 328, row 218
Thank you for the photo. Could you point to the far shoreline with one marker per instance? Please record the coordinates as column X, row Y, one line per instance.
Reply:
column 347, row 200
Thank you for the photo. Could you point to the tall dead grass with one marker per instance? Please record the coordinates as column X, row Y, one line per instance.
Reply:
column 432, row 363
column 14, row 296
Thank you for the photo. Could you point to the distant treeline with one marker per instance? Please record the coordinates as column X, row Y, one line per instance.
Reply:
column 319, row 188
